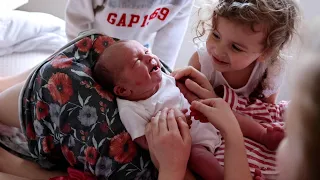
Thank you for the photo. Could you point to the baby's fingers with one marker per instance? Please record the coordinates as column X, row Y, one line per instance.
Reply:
column 202, row 108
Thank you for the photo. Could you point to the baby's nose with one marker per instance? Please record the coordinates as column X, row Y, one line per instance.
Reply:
column 148, row 58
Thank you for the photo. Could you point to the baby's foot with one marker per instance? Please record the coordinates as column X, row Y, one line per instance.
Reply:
column 257, row 175
column 272, row 137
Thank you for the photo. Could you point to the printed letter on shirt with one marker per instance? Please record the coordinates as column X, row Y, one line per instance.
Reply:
column 110, row 19
column 134, row 19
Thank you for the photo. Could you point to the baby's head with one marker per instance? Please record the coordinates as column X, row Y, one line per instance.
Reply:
column 298, row 154
column 129, row 70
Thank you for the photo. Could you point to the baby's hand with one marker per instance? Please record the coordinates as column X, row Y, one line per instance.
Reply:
column 257, row 175
column 218, row 113
column 198, row 116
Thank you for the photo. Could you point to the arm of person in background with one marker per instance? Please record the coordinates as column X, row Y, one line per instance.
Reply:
column 79, row 16
column 219, row 114
column 4, row 176
column 14, row 167
column 169, row 144
column 168, row 39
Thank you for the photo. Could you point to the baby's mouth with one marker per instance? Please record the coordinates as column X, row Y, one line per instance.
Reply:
column 154, row 69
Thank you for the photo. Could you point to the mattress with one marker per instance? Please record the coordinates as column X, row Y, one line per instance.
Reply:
column 18, row 62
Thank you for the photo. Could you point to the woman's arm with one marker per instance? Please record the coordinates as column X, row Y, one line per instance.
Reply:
column 235, row 159
column 4, row 176
column 219, row 114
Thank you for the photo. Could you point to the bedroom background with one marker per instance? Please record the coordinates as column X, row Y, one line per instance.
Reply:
column 310, row 9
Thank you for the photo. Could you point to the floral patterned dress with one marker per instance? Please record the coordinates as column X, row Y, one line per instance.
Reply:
column 69, row 120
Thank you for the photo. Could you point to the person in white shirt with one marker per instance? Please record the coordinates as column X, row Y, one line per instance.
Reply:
column 162, row 21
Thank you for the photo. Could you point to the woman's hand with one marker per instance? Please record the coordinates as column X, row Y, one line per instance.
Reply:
column 218, row 113
column 193, row 84
column 169, row 143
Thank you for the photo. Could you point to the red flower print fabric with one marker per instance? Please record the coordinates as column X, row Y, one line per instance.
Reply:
column 102, row 42
column 61, row 62
column 60, row 87
column 69, row 155
column 122, row 148
column 84, row 45
column 42, row 110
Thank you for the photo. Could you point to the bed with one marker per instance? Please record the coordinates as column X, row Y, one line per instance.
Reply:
column 26, row 39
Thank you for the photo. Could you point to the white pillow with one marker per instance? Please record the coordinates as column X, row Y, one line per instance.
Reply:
column 22, row 31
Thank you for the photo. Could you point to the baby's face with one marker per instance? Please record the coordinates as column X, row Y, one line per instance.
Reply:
column 141, row 69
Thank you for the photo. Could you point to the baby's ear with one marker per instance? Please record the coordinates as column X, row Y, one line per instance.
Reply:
column 121, row 91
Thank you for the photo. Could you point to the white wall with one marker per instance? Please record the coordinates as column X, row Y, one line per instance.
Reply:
column 188, row 47
column 309, row 9
column 54, row 7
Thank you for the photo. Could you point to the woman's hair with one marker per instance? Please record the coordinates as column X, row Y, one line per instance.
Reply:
column 279, row 16
column 309, row 105
column 310, row 122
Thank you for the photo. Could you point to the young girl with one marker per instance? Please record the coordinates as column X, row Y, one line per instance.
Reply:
column 298, row 154
column 243, row 51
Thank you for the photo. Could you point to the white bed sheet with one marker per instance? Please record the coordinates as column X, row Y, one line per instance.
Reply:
column 18, row 62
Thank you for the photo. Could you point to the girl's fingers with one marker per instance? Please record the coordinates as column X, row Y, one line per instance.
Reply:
column 187, row 94
column 195, row 75
column 202, row 90
column 196, row 89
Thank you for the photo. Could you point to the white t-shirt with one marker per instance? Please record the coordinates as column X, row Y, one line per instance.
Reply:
column 274, row 77
column 136, row 114
column 159, row 24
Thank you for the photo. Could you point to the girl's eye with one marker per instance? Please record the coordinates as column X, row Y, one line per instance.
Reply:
column 215, row 35
column 236, row 48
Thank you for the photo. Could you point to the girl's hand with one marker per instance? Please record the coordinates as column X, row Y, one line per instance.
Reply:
column 218, row 113
column 169, row 143
column 195, row 82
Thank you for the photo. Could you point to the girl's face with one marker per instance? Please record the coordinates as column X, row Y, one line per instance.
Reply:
column 234, row 46
column 290, row 155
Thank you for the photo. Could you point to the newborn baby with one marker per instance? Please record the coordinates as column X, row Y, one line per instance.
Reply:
column 133, row 73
